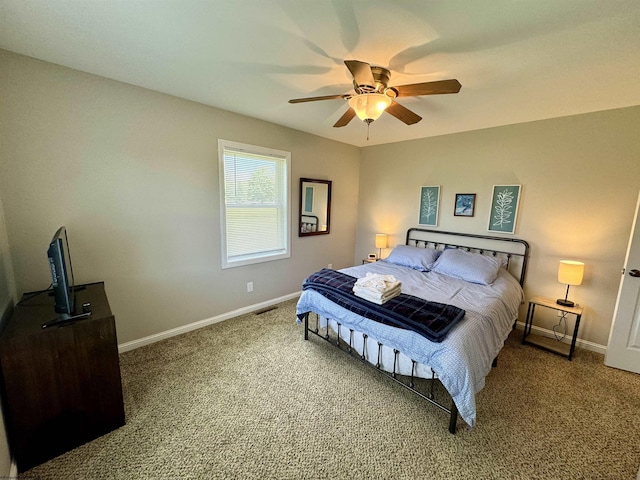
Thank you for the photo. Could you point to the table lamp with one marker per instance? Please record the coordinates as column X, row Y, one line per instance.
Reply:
column 381, row 242
column 569, row 273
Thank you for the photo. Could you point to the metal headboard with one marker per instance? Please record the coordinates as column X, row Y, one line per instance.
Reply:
column 514, row 251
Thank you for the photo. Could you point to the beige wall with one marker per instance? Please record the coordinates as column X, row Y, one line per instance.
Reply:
column 133, row 174
column 580, row 178
column 7, row 300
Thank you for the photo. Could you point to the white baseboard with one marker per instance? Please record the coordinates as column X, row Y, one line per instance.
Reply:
column 587, row 345
column 13, row 471
column 132, row 345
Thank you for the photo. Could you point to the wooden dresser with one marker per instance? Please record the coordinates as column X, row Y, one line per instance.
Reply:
column 61, row 385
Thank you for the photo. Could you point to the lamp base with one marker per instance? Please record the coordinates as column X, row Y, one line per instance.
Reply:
column 565, row 303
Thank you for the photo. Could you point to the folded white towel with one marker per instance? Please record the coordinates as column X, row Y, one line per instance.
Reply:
column 376, row 293
column 378, row 298
column 377, row 281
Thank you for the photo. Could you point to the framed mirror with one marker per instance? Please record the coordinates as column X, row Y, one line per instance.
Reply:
column 315, row 207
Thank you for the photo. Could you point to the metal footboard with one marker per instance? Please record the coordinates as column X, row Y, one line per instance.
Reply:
column 341, row 345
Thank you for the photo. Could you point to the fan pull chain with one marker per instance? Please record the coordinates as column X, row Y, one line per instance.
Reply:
column 368, row 121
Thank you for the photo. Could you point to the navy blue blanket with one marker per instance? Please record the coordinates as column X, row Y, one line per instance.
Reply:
column 430, row 319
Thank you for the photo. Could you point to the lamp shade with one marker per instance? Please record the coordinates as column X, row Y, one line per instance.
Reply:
column 570, row 272
column 369, row 106
column 381, row 240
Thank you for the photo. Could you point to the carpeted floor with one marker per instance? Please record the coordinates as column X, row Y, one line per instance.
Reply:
column 248, row 398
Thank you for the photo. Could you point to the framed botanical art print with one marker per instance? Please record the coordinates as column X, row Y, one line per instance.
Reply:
column 429, row 205
column 504, row 208
column 465, row 205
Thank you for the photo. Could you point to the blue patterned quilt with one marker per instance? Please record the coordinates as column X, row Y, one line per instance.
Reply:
column 430, row 319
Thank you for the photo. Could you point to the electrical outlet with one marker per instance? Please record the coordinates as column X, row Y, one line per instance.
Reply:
column 249, row 286
column 330, row 265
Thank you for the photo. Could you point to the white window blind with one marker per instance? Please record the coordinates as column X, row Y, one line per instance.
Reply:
column 254, row 191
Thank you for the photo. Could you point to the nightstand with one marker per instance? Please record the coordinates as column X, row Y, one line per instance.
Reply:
column 548, row 343
column 370, row 260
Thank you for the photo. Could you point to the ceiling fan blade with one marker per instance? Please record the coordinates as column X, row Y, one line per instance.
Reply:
column 428, row 88
column 361, row 72
column 345, row 118
column 403, row 113
column 315, row 99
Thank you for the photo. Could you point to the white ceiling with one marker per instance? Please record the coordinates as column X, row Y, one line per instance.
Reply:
column 517, row 60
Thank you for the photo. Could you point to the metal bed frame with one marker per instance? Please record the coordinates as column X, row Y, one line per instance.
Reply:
column 516, row 254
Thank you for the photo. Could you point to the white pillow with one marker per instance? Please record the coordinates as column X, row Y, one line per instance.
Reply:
column 421, row 259
column 472, row 267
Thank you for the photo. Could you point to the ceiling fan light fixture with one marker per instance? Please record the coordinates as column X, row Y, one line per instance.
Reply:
column 369, row 106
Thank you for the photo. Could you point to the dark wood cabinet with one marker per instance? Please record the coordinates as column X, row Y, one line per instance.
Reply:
column 61, row 385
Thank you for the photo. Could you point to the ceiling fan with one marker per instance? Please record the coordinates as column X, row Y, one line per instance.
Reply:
column 373, row 95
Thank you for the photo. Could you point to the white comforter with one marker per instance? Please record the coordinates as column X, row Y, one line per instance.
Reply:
column 464, row 358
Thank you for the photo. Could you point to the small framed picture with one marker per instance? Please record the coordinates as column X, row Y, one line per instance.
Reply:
column 465, row 205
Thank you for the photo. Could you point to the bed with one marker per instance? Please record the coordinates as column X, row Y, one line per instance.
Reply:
column 463, row 358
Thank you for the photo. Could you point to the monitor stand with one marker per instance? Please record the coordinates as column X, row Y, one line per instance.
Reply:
column 65, row 319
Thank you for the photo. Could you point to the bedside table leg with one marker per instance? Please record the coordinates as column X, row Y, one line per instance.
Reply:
column 528, row 321
column 575, row 336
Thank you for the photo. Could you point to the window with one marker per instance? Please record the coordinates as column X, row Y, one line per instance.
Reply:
column 254, row 203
